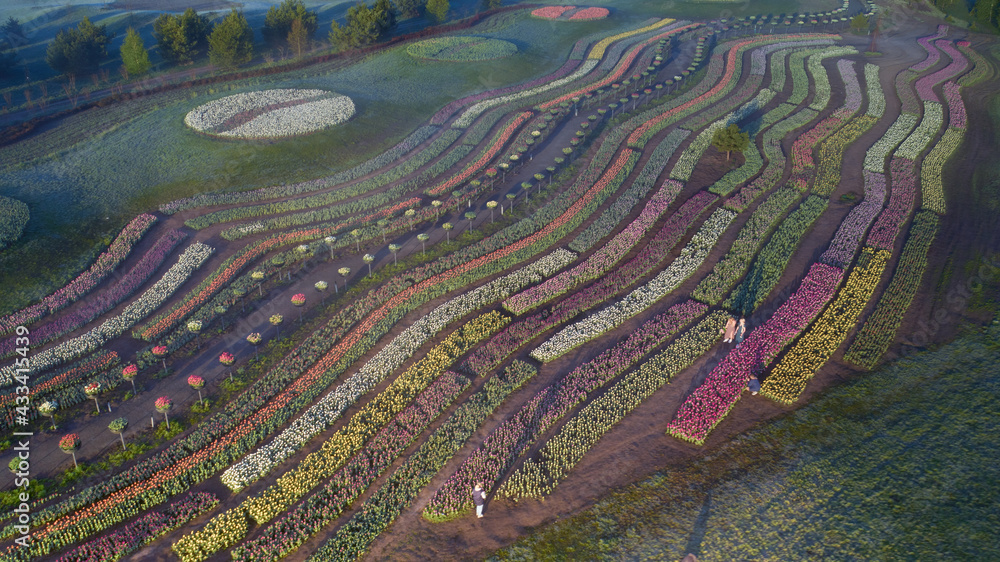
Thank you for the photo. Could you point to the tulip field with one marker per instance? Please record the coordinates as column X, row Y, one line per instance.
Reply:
column 529, row 290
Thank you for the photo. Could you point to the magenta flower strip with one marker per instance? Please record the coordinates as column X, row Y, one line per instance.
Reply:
column 712, row 401
column 847, row 241
column 932, row 54
column 925, row 85
column 956, row 106
column 904, row 191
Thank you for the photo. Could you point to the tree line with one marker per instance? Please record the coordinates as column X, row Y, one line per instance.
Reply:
column 182, row 39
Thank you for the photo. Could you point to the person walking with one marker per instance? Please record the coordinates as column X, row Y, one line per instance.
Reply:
column 479, row 498
column 729, row 330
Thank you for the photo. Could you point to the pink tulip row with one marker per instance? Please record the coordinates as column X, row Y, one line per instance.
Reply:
column 296, row 525
column 904, row 190
column 83, row 283
column 925, row 85
column 933, row 55
column 507, row 442
column 847, row 240
column 106, row 299
column 713, row 399
column 128, row 539
column 598, row 262
column 956, row 107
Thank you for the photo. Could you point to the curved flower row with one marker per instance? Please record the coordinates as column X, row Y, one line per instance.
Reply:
column 789, row 377
column 152, row 298
column 932, row 186
column 81, row 285
column 759, row 57
column 880, row 328
column 635, row 193
column 597, row 51
column 731, row 267
column 847, row 241
column 592, row 13
column 897, row 133
column 393, row 155
column 903, row 184
column 802, row 156
column 981, row 69
column 505, row 444
column 389, row 358
column 403, row 485
column 956, row 107
column 106, row 299
column 551, row 12
column 212, row 115
column 767, row 268
column 149, row 527
column 298, row 524
column 608, row 255
column 493, row 148
column 933, row 55
column 831, row 153
column 539, row 477
column 715, row 397
column 958, row 65
column 270, row 113
column 926, row 131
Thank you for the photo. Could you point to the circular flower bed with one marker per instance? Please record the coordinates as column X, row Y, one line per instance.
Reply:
column 570, row 13
column 271, row 114
column 459, row 49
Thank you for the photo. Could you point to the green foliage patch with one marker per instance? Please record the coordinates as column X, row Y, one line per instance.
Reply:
column 462, row 49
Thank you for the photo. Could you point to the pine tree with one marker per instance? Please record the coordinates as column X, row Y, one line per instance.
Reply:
column 438, row 9
column 135, row 58
column 364, row 25
column 231, row 42
column 182, row 38
column 298, row 37
column 80, row 50
column 279, row 19
column 409, row 8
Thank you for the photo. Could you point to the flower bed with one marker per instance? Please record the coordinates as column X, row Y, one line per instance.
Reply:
column 14, row 215
column 897, row 133
column 106, row 299
column 551, row 12
column 597, row 51
column 79, row 287
column 831, row 153
column 904, row 192
column 931, row 183
column 149, row 527
column 879, row 330
column 270, row 114
column 152, row 298
column 635, row 193
column 802, row 157
column 403, row 485
column 958, row 65
column 641, row 298
column 736, row 261
column 715, row 397
column 540, row 475
column 461, row 49
column 788, row 379
column 766, row 270
column 493, row 148
column 505, row 444
column 933, row 55
column 956, row 107
column 592, row 13
column 847, row 241
column 926, row 131
column 298, row 524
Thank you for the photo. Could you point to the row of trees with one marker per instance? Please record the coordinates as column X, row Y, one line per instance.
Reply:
column 182, row 38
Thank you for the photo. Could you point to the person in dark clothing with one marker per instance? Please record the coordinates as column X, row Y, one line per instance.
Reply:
column 754, row 385
column 741, row 331
column 479, row 498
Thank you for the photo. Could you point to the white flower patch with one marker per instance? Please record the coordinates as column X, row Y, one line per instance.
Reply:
column 921, row 137
column 876, row 98
column 311, row 110
column 876, row 155
column 318, row 417
column 641, row 298
column 190, row 260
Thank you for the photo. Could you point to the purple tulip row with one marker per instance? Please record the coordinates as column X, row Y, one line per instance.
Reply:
column 104, row 300
column 854, row 98
column 925, row 85
column 847, row 240
column 83, row 283
column 599, row 262
column 131, row 537
column 712, row 401
column 956, row 107
column 488, row 356
column 508, row 441
column 904, row 190
column 296, row 525
column 932, row 54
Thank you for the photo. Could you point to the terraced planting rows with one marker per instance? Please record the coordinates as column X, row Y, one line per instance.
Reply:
column 611, row 279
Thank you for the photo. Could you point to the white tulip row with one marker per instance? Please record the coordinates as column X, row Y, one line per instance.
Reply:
column 150, row 300
column 691, row 258
column 897, row 133
column 821, row 82
column 921, row 137
column 318, row 417
column 208, row 116
column 476, row 110
column 876, row 98
column 758, row 60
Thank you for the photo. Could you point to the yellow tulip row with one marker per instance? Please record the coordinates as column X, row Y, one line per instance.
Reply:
column 597, row 53
column 788, row 379
column 376, row 414
column 930, row 172
column 222, row 531
column 831, row 154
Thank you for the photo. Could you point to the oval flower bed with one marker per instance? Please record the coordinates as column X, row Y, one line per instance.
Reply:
column 270, row 114
column 461, row 49
column 570, row 13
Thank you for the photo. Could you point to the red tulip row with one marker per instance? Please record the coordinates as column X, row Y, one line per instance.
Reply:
column 492, row 149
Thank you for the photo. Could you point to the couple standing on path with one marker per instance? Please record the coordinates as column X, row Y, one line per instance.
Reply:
column 734, row 333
